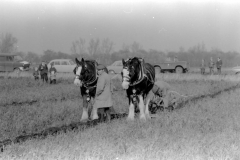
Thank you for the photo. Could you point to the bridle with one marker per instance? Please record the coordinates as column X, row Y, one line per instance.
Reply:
column 142, row 74
column 86, row 84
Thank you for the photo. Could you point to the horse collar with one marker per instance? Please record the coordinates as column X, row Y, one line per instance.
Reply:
column 142, row 75
column 88, row 84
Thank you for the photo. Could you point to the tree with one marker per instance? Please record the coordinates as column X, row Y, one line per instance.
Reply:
column 7, row 43
column 107, row 46
column 78, row 47
column 135, row 47
column 93, row 47
column 32, row 57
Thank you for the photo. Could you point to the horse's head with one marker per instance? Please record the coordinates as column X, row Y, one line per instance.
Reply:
column 82, row 70
column 130, row 72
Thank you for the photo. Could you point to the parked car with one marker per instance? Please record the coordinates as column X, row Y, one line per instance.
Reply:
column 172, row 66
column 63, row 65
column 26, row 65
column 9, row 63
column 115, row 68
column 236, row 70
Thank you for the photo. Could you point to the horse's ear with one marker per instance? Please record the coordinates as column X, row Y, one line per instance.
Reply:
column 123, row 61
column 82, row 60
column 77, row 61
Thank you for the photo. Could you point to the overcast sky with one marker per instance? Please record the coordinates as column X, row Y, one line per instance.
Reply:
column 162, row 25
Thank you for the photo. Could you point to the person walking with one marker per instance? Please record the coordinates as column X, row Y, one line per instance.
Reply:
column 211, row 66
column 103, row 97
column 43, row 71
column 219, row 65
column 203, row 67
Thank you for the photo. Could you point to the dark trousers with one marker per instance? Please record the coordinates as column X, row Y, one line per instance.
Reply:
column 219, row 70
column 44, row 77
column 52, row 81
column 104, row 114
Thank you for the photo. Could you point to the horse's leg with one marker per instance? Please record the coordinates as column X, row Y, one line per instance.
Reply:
column 94, row 113
column 131, row 111
column 147, row 109
column 141, row 108
column 85, row 109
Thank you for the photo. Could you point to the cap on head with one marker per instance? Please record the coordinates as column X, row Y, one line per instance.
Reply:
column 100, row 66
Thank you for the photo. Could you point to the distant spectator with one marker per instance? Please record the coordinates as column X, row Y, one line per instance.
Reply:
column 211, row 66
column 43, row 70
column 203, row 67
column 36, row 74
column 219, row 65
column 52, row 72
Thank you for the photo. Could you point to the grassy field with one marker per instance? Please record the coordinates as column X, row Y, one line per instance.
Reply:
column 204, row 129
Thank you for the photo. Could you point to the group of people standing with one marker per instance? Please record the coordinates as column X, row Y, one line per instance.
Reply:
column 211, row 65
column 42, row 72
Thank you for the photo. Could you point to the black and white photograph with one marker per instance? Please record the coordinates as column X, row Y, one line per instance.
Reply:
column 120, row 79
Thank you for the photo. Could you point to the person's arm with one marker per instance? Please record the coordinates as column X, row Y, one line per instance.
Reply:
column 100, row 85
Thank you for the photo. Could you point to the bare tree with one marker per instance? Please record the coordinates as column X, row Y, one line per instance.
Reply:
column 107, row 46
column 7, row 43
column 125, row 48
column 136, row 47
column 78, row 47
column 93, row 47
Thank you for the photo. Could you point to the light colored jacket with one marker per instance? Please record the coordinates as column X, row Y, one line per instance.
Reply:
column 103, row 96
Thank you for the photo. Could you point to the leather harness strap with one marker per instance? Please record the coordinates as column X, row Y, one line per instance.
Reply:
column 87, row 85
column 143, row 74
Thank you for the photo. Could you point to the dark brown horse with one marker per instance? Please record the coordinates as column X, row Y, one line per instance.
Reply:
column 86, row 78
column 138, row 80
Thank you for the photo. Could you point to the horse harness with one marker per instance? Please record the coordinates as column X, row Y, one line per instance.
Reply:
column 89, row 85
column 142, row 77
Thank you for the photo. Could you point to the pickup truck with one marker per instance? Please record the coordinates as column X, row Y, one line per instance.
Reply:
column 172, row 66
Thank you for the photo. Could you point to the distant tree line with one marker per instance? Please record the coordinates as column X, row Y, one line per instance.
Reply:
column 103, row 51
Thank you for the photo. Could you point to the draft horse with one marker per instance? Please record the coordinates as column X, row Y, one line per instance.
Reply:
column 138, row 79
column 86, row 78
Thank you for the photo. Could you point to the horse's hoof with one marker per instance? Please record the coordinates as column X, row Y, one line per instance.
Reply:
column 83, row 120
column 143, row 118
